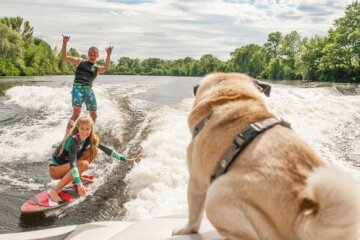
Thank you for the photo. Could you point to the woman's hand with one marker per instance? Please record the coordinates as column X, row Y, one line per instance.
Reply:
column 109, row 49
column 65, row 38
column 81, row 189
column 135, row 159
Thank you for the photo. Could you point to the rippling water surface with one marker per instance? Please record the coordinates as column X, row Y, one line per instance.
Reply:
column 147, row 115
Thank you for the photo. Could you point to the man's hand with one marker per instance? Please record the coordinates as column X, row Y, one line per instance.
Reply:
column 109, row 49
column 65, row 38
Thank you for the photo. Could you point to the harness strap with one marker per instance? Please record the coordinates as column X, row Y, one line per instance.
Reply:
column 242, row 140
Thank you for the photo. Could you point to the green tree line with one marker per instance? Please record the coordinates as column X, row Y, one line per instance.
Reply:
column 334, row 57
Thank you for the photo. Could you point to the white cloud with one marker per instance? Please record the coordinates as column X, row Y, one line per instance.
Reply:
column 174, row 28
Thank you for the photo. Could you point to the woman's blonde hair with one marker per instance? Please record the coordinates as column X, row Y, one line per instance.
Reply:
column 93, row 138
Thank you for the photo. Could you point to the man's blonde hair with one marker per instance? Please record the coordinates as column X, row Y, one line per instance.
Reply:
column 92, row 48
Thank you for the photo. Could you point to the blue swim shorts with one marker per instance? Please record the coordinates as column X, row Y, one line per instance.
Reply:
column 84, row 94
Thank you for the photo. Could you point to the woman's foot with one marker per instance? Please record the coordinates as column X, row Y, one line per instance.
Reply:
column 54, row 196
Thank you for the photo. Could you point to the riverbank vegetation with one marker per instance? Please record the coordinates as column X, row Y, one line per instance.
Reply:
column 334, row 57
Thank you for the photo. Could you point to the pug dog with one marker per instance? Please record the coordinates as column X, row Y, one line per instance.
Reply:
column 277, row 187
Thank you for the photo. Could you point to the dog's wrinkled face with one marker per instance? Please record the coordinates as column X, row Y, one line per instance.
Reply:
column 220, row 88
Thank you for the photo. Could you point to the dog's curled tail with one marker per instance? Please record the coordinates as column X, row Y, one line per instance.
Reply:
column 330, row 207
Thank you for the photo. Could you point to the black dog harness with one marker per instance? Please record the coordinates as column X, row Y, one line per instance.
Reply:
column 240, row 142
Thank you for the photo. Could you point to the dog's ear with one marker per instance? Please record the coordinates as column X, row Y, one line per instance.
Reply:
column 263, row 87
column 309, row 206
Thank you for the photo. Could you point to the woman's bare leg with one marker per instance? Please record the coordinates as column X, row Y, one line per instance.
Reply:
column 63, row 173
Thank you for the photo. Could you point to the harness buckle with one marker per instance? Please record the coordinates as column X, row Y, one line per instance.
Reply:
column 285, row 123
column 239, row 140
column 257, row 126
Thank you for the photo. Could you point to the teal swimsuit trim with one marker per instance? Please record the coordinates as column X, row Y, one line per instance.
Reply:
column 54, row 162
column 118, row 156
column 76, row 175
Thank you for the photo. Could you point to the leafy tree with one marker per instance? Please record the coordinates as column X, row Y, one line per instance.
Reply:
column 334, row 57
column 249, row 59
column 274, row 70
column 39, row 58
column 311, row 58
column 196, row 69
column 342, row 52
column 273, row 45
column 188, row 65
column 127, row 65
column 11, row 52
column 226, row 66
column 207, row 64
column 150, row 64
column 17, row 24
column 291, row 44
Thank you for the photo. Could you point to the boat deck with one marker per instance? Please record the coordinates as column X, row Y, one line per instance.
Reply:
column 154, row 229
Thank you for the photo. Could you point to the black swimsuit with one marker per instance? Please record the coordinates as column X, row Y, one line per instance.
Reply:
column 73, row 150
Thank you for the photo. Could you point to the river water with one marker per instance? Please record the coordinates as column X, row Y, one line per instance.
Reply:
column 143, row 115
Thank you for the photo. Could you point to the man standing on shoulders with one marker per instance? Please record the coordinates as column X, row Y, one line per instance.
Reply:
column 86, row 72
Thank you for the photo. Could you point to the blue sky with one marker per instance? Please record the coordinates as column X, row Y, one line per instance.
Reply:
column 172, row 29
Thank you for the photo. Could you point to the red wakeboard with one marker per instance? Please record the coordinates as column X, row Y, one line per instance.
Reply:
column 41, row 202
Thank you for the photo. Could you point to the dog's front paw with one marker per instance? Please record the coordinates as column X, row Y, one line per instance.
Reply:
column 185, row 230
